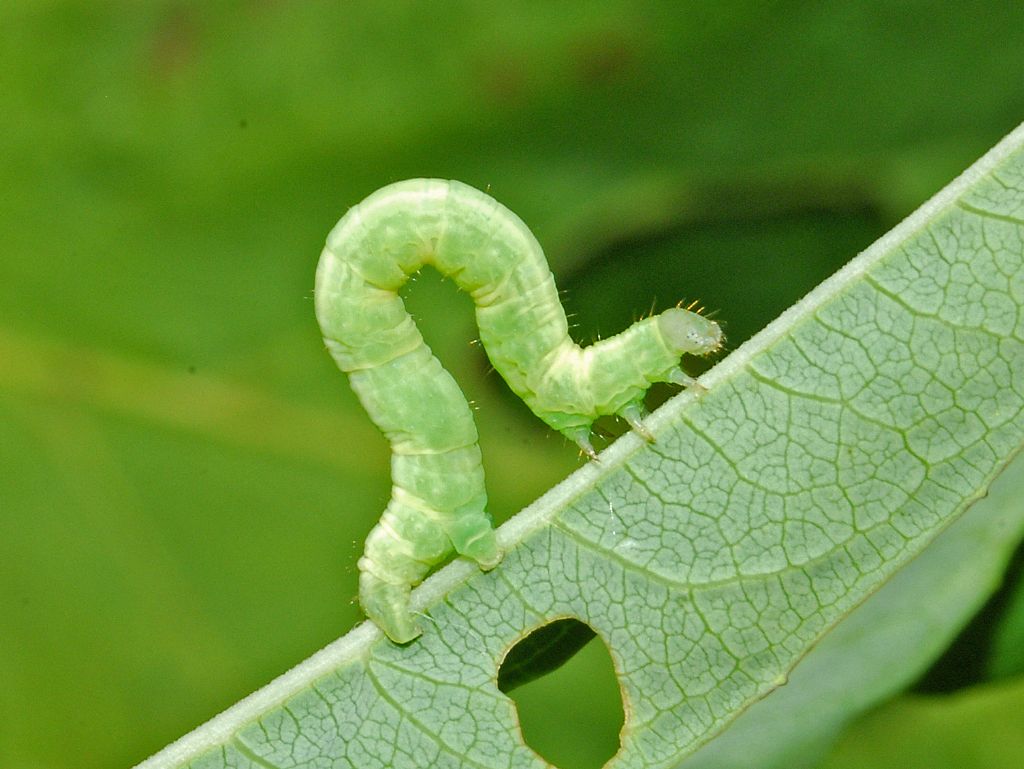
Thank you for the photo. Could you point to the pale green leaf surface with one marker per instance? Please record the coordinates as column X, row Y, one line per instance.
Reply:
column 883, row 645
column 828, row 451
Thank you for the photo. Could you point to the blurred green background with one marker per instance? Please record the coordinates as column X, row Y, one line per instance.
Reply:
column 185, row 478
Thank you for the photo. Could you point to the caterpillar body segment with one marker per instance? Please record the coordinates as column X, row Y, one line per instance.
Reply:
column 438, row 501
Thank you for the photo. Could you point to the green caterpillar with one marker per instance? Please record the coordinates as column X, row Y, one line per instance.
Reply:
column 438, row 502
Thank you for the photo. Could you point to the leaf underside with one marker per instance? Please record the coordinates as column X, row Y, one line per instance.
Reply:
column 827, row 452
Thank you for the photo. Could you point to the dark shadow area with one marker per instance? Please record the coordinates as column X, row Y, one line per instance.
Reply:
column 745, row 258
column 543, row 651
column 968, row 659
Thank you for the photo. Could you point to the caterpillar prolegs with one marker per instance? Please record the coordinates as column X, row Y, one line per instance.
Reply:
column 438, row 502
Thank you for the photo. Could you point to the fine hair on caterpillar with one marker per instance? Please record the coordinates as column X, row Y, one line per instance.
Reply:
column 438, row 502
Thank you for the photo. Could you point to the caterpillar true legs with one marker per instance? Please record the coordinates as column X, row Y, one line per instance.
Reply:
column 438, row 502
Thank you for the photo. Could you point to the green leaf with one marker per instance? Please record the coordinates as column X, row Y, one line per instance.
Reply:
column 883, row 645
column 829, row 450
column 977, row 728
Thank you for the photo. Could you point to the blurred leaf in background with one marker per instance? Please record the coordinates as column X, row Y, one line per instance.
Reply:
column 185, row 479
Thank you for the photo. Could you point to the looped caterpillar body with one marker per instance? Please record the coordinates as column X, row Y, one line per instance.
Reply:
column 438, row 502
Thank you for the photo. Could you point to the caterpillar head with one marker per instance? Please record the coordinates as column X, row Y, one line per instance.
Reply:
column 688, row 332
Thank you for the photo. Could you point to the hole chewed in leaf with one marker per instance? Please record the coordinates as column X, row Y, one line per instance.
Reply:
column 563, row 680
